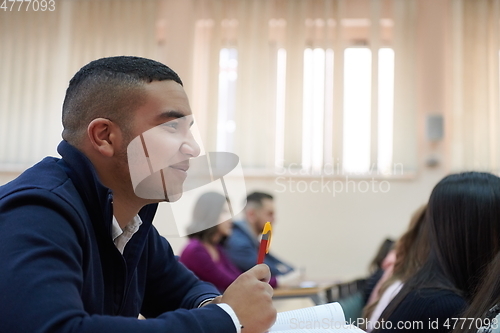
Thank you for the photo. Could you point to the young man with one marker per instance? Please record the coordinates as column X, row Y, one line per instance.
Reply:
column 243, row 244
column 78, row 251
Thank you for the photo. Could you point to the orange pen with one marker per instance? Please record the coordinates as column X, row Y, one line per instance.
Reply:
column 265, row 242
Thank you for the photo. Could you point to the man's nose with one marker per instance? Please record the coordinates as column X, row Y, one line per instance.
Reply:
column 190, row 147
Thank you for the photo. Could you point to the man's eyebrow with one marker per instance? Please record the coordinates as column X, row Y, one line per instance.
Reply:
column 174, row 114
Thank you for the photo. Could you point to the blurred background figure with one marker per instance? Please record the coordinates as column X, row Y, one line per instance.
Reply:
column 463, row 222
column 384, row 259
column 377, row 267
column 242, row 246
column 210, row 226
column 409, row 253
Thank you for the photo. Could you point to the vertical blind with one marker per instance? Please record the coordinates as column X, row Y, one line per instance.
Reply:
column 277, row 124
column 41, row 51
column 475, row 112
column 268, row 41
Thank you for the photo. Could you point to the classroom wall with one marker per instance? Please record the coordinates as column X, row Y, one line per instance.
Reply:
column 335, row 237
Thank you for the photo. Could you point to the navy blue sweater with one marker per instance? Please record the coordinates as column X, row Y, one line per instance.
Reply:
column 242, row 248
column 61, row 272
column 426, row 310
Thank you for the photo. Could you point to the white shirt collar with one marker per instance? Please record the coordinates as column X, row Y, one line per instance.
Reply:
column 122, row 236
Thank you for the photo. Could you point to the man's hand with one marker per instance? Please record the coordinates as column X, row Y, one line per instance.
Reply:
column 250, row 297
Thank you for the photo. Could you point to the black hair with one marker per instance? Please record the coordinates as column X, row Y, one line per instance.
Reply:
column 411, row 251
column 205, row 218
column 463, row 220
column 257, row 198
column 386, row 246
column 487, row 297
column 109, row 88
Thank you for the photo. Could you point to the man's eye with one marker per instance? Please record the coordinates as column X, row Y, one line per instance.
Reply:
column 172, row 124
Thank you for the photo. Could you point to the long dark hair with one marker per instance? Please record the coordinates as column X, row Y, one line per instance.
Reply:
column 463, row 216
column 382, row 252
column 487, row 296
column 412, row 249
column 206, row 215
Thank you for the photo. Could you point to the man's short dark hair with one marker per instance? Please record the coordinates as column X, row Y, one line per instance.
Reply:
column 109, row 88
column 255, row 199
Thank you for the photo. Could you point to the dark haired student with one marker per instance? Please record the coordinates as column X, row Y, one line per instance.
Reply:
column 78, row 250
column 243, row 244
column 463, row 220
column 204, row 255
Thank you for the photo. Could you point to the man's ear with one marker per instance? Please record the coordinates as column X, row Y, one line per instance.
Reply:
column 250, row 214
column 103, row 135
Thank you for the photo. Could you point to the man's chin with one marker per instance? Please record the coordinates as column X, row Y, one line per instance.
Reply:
column 157, row 188
column 156, row 196
column 173, row 197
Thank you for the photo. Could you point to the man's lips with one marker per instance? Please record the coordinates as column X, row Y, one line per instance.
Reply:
column 181, row 166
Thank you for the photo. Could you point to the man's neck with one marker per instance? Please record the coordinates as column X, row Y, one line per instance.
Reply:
column 124, row 211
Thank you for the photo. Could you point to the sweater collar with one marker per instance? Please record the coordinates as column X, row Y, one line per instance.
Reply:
column 245, row 227
column 97, row 197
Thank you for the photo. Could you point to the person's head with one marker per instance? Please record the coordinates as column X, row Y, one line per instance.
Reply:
column 464, row 224
column 111, row 88
column 110, row 101
column 259, row 210
column 381, row 254
column 407, row 256
column 211, row 220
column 412, row 248
column 463, row 221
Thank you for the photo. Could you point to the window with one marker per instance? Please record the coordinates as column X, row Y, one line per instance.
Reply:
column 315, row 97
column 357, row 122
column 279, row 153
column 228, row 73
column 357, row 110
column 385, row 109
column 317, row 107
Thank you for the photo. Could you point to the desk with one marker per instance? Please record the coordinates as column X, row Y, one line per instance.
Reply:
column 320, row 294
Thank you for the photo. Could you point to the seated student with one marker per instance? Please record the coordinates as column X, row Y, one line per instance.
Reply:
column 387, row 267
column 463, row 215
column 377, row 267
column 209, row 228
column 78, row 249
column 243, row 245
column 484, row 311
column 411, row 251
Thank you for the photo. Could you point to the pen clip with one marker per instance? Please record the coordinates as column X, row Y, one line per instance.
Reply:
column 267, row 235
